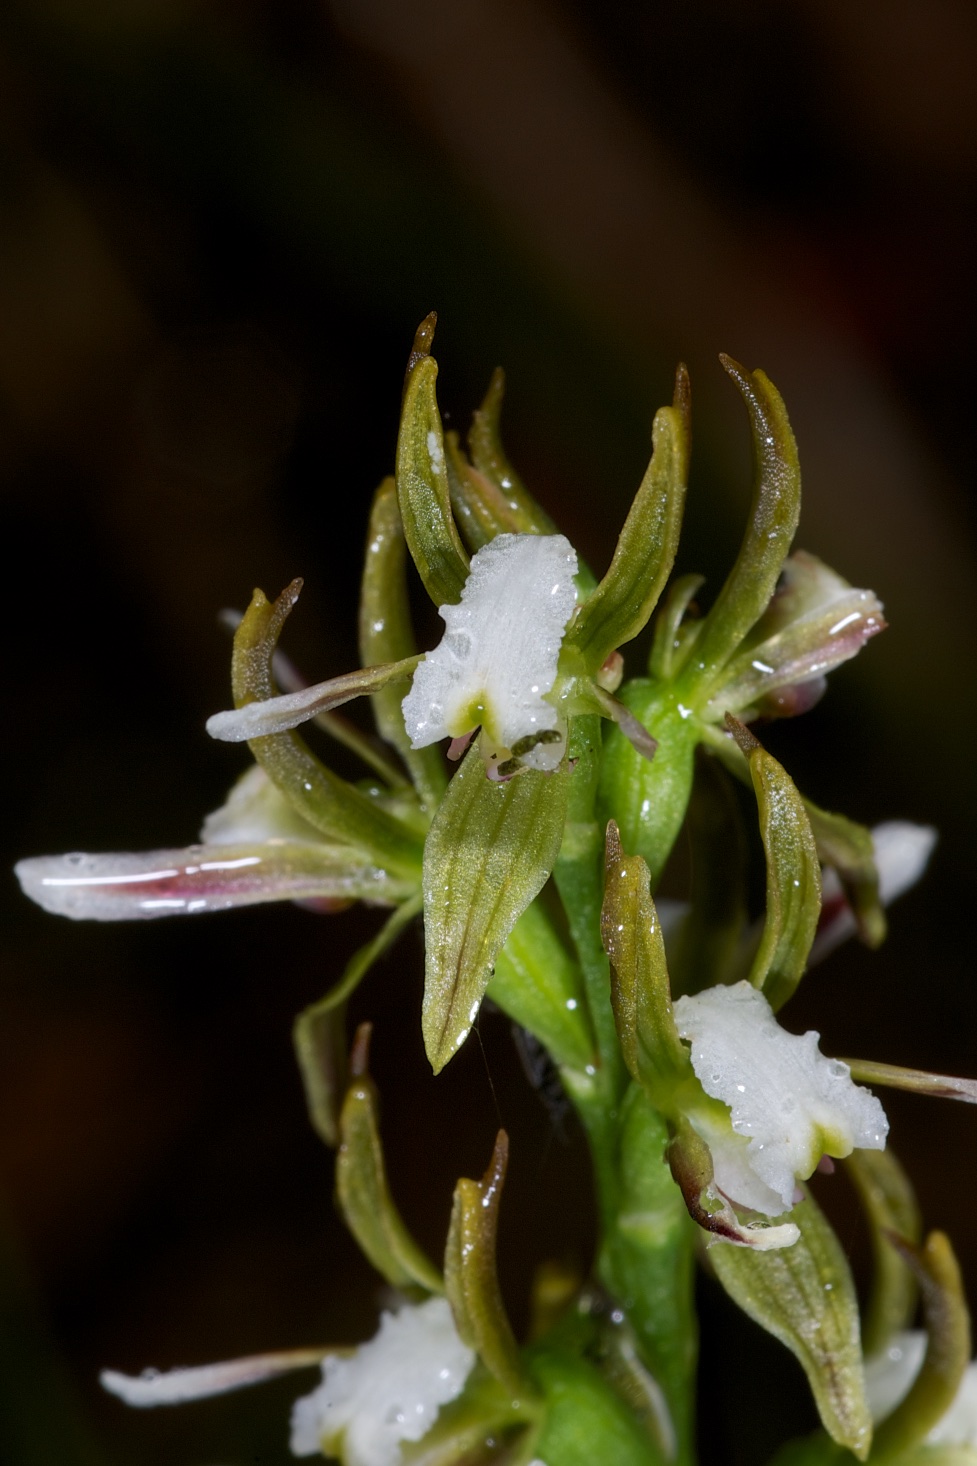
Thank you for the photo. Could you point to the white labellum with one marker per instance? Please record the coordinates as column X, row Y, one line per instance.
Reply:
column 496, row 663
column 788, row 1104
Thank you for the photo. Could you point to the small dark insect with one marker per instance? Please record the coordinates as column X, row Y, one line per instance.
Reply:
column 544, row 1077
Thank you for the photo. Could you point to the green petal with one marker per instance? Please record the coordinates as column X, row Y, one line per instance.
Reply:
column 793, row 874
column 773, row 521
column 422, row 487
column 623, row 602
column 489, row 852
column 362, row 1189
column 804, row 1295
column 470, row 1276
column 386, row 635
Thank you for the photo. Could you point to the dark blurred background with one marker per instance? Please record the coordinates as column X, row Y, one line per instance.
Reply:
column 219, row 226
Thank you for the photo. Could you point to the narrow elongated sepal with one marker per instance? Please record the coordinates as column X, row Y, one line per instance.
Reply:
column 847, row 849
column 203, row 1381
column 362, row 1188
column 488, row 853
column 793, row 874
column 470, row 1276
column 333, row 806
column 319, row 1032
column 805, row 1297
column 640, row 994
column 203, row 878
column 948, row 1348
column 774, row 513
column 624, row 600
column 422, row 488
column 291, row 709
column 915, row 1081
column 889, row 1201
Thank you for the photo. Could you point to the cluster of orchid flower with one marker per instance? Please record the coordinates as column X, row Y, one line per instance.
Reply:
column 705, row 1117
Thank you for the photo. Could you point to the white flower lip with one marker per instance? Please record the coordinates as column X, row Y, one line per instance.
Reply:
column 497, row 661
column 390, row 1390
column 788, row 1104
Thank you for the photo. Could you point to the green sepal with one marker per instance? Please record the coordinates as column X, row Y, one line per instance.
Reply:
column 648, row 798
column 319, row 1032
column 361, row 1184
column 793, row 873
column 341, row 811
column 847, row 847
column 774, row 513
column 470, row 1277
column 640, row 993
column 804, row 1296
column 947, row 1351
column 386, row 636
column 626, row 597
column 521, row 513
column 887, row 1196
column 422, row 487
column 585, row 1421
column 489, row 852
column 705, row 949
column 539, row 986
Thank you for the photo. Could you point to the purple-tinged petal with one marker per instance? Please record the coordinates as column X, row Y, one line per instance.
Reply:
column 131, row 887
column 815, row 622
column 176, row 1386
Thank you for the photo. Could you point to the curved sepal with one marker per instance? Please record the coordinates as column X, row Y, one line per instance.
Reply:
column 470, row 1277
column 319, row 1032
column 889, row 1201
column 626, row 597
column 333, row 806
column 805, row 1297
column 422, row 483
column 774, row 513
column 793, row 874
column 386, row 636
column 947, row 1351
column 362, row 1189
column 489, row 852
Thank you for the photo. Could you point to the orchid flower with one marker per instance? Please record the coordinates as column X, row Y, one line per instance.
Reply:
column 787, row 1105
column 370, row 1401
